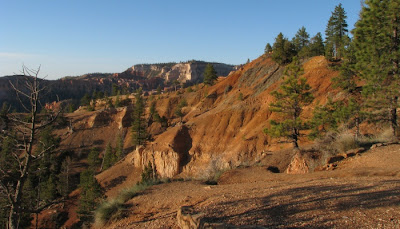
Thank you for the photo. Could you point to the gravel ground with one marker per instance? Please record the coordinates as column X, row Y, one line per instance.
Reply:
column 362, row 192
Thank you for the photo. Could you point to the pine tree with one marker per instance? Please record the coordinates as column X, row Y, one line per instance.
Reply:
column 178, row 112
column 325, row 118
column 90, row 196
column 65, row 177
column 118, row 100
column 91, row 191
column 159, row 90
column 49, row 189
column 268, row 48
column 210, row 75
column 85, row 101
column 293, row 95
column 114, row 89
column 109, row 103
column 109, row 157
column 301, row 39
column 377, row 52
column 283, row 50
column 93, row 159
column 346, row 80
column 139, row 133
column 336, row 34
column 119, row 148
column 317, row 47
column 4, row 121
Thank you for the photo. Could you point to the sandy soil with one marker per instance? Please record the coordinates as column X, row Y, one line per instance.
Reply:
column 362, row 192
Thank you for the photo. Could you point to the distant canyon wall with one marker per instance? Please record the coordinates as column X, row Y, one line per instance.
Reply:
column 183, row 72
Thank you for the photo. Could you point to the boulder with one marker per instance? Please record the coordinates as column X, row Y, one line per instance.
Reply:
column 298, row 165
column 187, row 218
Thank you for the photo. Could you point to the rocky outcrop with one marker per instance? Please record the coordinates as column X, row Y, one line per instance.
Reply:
column 99, row 119
column 298, row 165
column 124, row 117
column 169, row 157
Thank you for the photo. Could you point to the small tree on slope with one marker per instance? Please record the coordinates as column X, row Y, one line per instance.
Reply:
column 210, row 75
column 293, row 95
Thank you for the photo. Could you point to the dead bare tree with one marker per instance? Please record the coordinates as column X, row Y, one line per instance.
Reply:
column 26, row 127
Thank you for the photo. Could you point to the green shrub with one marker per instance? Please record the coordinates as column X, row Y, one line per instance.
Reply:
column 240, row 97
column 189, row 89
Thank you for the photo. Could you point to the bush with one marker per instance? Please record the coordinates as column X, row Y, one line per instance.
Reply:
column 114, row 209
column 189, row 89
column 240, row 97
column 106, row 211
column 345, row 141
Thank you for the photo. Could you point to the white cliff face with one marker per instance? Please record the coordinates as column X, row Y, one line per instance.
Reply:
column 183, row 72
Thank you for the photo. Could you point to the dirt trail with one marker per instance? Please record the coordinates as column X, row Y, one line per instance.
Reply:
column 363, row 192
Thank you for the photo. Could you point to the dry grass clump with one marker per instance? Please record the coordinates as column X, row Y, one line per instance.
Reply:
column 337, row 142
column 115, row 208
column 345, row 141
column 213, row 171
column 386, row 135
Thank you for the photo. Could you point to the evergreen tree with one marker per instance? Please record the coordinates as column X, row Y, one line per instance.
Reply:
column 346, row 78
column 70, row 108
column 3, row 210
column 90, row 196
column 268, row 48
column 153, row 108
column 93, row 159
column 139, row 133
column 335, row 114
column 317, row 47
column 94, row 95
column 377, row 53
column 118, row 100
column 65, row 177
column 159, row 90
column 49, row 189
column 109, row 103
column 210, row 75
column 301, row 39
column 119, row 148
column 178, row 112
column 4, row 121
column 293, row 95
column 85, row 101
column 48, row 165
column 336, row 34
column 283, row 50
column 109, row 157
column 7, row 161
column 114, row 89
column 148, row 174
column 325, row 118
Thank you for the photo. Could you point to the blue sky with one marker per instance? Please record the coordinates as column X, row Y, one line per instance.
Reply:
column 70, row 38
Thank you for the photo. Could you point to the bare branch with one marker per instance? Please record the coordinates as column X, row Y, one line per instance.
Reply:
column 19, row 121
column 7, row 192
column 18, row 91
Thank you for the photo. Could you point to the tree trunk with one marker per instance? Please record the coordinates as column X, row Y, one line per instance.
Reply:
column 12, row 218
column 357, row 135
column 393, row 116
column 295, row 138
